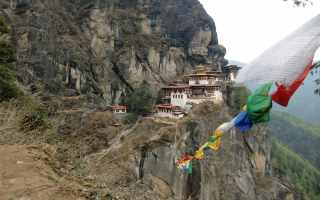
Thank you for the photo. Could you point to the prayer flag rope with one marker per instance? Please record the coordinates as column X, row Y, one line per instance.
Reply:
column 286, row 64
column 257, row 110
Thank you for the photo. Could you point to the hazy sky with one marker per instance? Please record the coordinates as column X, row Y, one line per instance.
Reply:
column 248, row 27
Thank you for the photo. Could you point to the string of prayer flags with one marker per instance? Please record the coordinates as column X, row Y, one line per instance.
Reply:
column 287, row 64
column 283, row 93
column 259, row 104
column 285, row 60
column 185, row 164
column 257, row 110
column 215, row 141
column 243, row 122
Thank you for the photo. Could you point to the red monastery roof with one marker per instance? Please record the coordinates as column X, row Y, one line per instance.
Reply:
column 168, row 106
column 180, row 86
column 119, row 107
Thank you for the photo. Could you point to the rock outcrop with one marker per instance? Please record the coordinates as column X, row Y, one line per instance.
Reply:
column 105, row 48
column 147, row 153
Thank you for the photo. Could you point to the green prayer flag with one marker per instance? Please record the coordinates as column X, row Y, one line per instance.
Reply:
column 259, row 104
column 189, row 170
column 212, row 138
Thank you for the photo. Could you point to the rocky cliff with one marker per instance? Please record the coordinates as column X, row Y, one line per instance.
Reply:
column 105, row 48
column 102, row 50
column 241, row 170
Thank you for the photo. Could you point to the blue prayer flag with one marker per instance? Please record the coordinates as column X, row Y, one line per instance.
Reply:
column 243, row 122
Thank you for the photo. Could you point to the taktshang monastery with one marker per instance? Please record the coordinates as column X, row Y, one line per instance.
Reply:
column 200, row 86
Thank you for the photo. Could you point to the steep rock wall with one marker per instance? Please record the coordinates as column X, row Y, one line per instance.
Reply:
column 143, row 162
column 106, row 48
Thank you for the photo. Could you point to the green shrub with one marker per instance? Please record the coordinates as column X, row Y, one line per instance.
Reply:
column 3, row 27
column 8, row 87
column 238, row 98
column 35, row 120
column 141, row 100
column 7, row 53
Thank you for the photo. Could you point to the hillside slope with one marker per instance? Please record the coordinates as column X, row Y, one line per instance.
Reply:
column 295, row 152
column 301, row 137
column 26, row 174
column 298, row 170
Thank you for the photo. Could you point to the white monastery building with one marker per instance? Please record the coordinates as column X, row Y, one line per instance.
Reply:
column 199, row 86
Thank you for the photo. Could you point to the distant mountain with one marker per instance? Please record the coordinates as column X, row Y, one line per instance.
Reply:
column 301, row 137
column 295, row 152
column 300, row 172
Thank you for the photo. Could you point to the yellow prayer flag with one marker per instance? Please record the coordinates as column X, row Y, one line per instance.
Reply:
column 218, row 133
column 244, row 108
column 203, row 146
column 199, row 155
column 215, row 145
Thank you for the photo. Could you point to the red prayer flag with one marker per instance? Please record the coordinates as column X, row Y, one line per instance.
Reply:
column 184, row 159
column 283, row 93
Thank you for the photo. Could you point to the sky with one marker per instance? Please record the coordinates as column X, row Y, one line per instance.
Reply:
column 249, row 27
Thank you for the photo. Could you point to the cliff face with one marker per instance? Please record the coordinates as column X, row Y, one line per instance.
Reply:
column 147, row 153
column 105, row 48
column 104, row 159
column 102, row 49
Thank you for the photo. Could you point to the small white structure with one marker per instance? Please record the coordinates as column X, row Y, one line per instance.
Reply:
column 119, row 109
column 232, row 72
column 218, row 97
column 179, row 99
column 176, row 94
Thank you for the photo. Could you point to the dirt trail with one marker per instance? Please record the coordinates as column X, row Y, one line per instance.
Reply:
column 26, row 174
